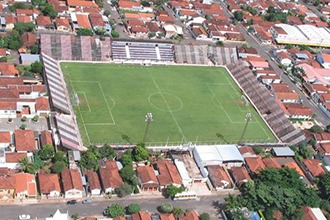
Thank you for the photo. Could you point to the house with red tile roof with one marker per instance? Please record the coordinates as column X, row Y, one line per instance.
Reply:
column 29, row 39
column 167, row 216
column 62, row 24
column 130, row 5
column 97, row 21
column 219, row 177
column 323, row 137
column 314, row 167
column 147, row 178
column 24, row 19
column 49, row 185
column 120, row 218
column 240, row 175
column 10, row 22
column 25, row 141
column 46, row 138
column 324, row 60
column 247, row 151
column 81, row 21
column 293, row 165
column 3, row 52
column 78, row 4
column 168, row 174
column 72, row 183
column 110, row 178
column 255, row 164
column 20, row 185
column 300, row 113
column 42, row 106
column 5, row 139
column 190, row 215
column 141, row 215
column 8, row 69
column 271, row 162
column 44, row 23
column 288, row 97
column 13, row 159
column 94, row 185
column 312, row 214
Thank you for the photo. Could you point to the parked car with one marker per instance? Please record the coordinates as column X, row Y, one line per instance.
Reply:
column 87, row 201
column 71, row 202
column 24, row 217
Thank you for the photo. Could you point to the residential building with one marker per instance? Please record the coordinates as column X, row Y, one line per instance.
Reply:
column 5, row 139
column 147, row 178
column 168, row 174
column 240, row 175
column 314, row 167
column 324, row 60
column 93, row 182
column 62, row 24
column 141, row 215
column 190, row 215
column 72, row 183
column 110, row 178
column 49, row 185
column 44, row 23
column 59, row 216
column 255, row 164
column 25, row 141
column 219, row 177
column 313, row 214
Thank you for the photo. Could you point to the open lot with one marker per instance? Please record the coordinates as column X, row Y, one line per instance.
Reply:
column 188, row 103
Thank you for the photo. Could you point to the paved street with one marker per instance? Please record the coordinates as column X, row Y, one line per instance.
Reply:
column 263, row 51
column 206, row 204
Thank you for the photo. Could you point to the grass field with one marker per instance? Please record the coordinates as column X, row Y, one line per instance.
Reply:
column 189, row 104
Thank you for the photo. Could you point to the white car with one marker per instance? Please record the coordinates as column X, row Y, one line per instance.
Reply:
column 24, row 217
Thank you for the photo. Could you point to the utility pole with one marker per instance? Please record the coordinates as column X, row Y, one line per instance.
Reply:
column 148, row 118
column 248, row 118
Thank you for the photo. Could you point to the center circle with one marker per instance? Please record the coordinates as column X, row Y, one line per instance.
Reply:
column 165, row 102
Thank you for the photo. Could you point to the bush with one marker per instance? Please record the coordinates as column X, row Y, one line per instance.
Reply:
column 115, row 34
column 23, row 126
column 35, row 118
column 115, row 210
column 106, row 13
column 85, row 32
column 258, row 150
column 3, row 59
column 316, row 129
column 133, row 208
column 204, row 216
column 24, row 118
column 58, row 167
column 177, row 212
column 166, row 208
column 124, row 190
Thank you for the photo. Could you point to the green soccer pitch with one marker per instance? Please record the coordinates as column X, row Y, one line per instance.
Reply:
column 188, row 103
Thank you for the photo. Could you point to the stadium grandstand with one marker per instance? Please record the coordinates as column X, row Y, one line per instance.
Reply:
column 71, row 47
column 265, row 104
column 130, row 50
column 205, row 55
column 64, row 117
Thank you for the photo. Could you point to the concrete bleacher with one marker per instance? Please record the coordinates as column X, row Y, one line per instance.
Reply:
column 265, row 104
column 125, row 50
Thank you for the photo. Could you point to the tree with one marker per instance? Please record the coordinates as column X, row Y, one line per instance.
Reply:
column 27, row 166
column 124, row 190
column 107, row 152
column 145, row 3
column 258, row 150
column 151, row 34
column 38, row 163
column 59, row 156
column 49, row 10
column 177, row 212
column 204, row 216
column 325, row 185
column 24, row 27
column 114, row 34
column 172, row 190
column 141, row 153
column 3, row 59
column 58, row 167
column 35, row 118
column 166, row 208
column 34, row 49
column 85, row 32
column 23, row 126
column 17, row 5
column 238, row 15
column 328, row 129
column 317, row 3
column 47, row 152
column 316, row 129
column 133, row 208
column 126, row 173
column 106, row 13
column 115, row 210
column 100, row 31
column 89, row 161
column 127, row 158
column 219, row 43
column 36, row 67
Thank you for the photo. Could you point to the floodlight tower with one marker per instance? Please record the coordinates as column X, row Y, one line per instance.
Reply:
column 148, row 118
column 248, row 118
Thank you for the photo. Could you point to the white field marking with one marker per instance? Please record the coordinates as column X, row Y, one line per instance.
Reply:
column 99, row 124
column 105, row 100
column 239, row 106
column 82, row 119
column 113, row 120
column 113, row 101
column 89, row 108
column 169, row 108
column 160, row 109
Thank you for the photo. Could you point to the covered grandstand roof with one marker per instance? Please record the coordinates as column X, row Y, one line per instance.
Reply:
column 69, row 133
column 56, row 84
column 265, row 104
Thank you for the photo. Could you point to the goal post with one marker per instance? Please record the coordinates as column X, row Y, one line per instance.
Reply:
column 245, row 100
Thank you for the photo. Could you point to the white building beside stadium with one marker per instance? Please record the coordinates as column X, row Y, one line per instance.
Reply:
column 210, row 155
column 301, row 35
